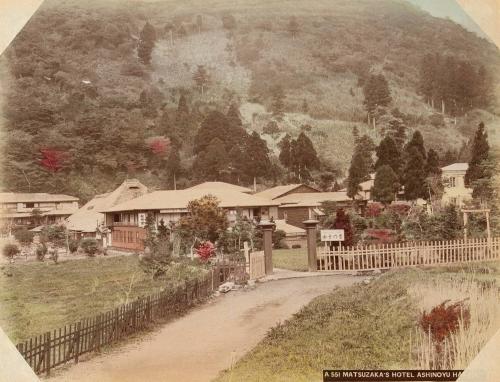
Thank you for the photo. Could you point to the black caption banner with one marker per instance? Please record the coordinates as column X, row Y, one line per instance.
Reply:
column 390, row 375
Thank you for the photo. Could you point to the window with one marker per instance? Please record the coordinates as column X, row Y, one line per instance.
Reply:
column 452, row 182
column 116, row 218
column 30, row 205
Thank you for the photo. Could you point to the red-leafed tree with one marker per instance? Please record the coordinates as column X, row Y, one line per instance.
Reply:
column 159, row 145
column 205, row 250
column 53, row 160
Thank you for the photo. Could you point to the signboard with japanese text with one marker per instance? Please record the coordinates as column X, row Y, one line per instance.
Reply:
column 332, row 235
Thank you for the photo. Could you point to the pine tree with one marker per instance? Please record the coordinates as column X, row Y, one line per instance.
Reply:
column 385, row 185
column 212, row 164
column 397, row 131
column 257, row 152
column 388, row 154
column 414, row 178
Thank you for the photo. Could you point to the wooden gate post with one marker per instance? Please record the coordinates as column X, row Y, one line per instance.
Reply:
column 311, row 244
column 267, row 228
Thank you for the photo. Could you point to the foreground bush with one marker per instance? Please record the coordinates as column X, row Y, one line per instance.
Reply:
column 89, row 246
column 41, row 251
column 10, row 250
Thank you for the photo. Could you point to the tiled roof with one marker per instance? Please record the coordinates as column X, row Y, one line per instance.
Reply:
column 276, row 192
column 15, row 197
column 179, row 199
column 311, row 199
column 456, row 167
column 220, row 186
column 89, row 217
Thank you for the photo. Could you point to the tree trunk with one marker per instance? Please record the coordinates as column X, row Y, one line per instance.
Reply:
column 171, row 38
column 442, row 106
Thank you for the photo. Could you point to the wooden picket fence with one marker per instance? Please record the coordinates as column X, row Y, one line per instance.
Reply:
column 407, row 254
column 62, row 345
column 257, row 266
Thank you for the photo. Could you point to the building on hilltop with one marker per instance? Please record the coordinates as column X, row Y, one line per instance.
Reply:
column 453, row 177
column 88, row 221
column 31, row 209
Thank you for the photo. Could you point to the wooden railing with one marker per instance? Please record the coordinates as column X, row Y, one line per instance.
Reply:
column 407, row 254
column 59, row 346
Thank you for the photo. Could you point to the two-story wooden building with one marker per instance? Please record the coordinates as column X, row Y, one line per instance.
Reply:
column 455, row 190
column 126, row 221
column 31, row 209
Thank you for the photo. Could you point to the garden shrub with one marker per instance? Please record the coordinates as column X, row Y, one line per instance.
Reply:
column 205, row 250
column 296, row 246
column 24, row 236
column 73, row 246
column 279, row 239
column 89, row 246
column 10, row 250
column 41, row 251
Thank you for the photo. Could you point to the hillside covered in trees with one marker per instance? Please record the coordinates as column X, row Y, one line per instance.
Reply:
column 273, row 90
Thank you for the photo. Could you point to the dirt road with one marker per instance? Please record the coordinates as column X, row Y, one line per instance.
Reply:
column 205, row 341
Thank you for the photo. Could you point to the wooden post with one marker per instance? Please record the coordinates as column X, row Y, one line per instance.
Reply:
column 267, row 228
column 465, row 225
column 312, row 254
column 77, row 340
column 488, row 230
column 47, row 353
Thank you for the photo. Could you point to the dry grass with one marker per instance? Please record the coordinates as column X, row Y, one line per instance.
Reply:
column 460, row 347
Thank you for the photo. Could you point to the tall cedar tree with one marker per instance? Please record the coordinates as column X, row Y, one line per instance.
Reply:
column 397, row 131
column 417, row 141
column 377, row 94
column 212, row 163
column 388, row 154
column 479, row 153
column 285, row 156
column 146, row 43
column 359, row 171
column 414, row 175
column 217, row 125
column 182, row 106
column 367, row 146
column 480, row 171
column 305, row 157
column 432, row 164
column 386, row 184
column 258, row 163
column 278, row 102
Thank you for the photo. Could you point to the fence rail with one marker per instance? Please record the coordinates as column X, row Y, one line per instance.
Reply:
column 407, row 254
column 59, row 346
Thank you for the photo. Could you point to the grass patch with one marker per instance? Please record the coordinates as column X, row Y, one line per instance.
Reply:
column 358, row 327
column 292, row 259
column 38, row 297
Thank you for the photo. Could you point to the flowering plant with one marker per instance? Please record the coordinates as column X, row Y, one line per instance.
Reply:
column 205, row 250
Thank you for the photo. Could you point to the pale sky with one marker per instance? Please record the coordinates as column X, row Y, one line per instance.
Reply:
column 15, row 13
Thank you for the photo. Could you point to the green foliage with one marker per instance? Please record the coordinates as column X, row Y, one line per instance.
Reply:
column 89, row 246
column 361, row 165
column 10, row 250
column 278, row 102
column 454, row 85
column 73, row 246
column 377, row 94
column 299, row 156
column 386, row 185
column 414, row 175
column 54, row 234
column 146, row 43
column 480, row 171
column 204, row 221
column 389, row 155
column 24, row 236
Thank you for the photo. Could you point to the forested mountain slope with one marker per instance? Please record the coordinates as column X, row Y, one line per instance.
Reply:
column 84, row 106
